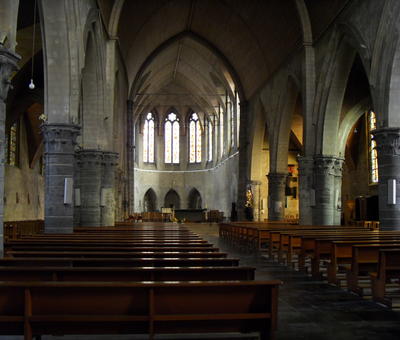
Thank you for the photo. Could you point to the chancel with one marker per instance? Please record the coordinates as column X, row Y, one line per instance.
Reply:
column 200, row 169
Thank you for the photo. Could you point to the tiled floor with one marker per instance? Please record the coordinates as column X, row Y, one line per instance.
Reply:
column 308, row 309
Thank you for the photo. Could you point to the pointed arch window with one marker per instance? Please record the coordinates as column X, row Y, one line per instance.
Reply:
column 148, row 139
column 237, row 102
column 194, row 139
column 171, row 135
column 372, row 153
column 210, row 140
column 221, row 132
column 13, row 145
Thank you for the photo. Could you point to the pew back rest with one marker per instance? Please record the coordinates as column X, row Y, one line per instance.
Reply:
column 182, row 307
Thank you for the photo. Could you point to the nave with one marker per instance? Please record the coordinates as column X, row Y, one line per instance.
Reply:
column 307, row 308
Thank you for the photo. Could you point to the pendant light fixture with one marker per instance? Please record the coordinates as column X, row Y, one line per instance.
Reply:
column 31, row 84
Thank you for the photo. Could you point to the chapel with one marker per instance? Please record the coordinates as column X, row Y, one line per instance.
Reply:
column 235, row 120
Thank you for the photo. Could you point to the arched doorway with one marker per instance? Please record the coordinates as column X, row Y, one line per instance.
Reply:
column 150, row 201
column 172, row 200
column 194, row 200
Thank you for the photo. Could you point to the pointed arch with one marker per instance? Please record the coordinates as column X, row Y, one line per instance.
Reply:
column 199, row 39
column 194, row 134
column 194, row 199
column 150, row 201
column 172, row 200
column 171, row 137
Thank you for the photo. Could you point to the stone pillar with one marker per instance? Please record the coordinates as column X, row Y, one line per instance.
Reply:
column 388, row 148
column 59, row 151
column 337, row 208
column 108, row 189
column 276, row 196
column 77, row 187
column 90, row 187
column 130, row 159
column 243, row 178
column 306, row 167
column 8, row 64
column 327, row 179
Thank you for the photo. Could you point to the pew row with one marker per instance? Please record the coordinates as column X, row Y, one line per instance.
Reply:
column 117, row 262
column 39, row 308
column 388, row 271
column 126, row 273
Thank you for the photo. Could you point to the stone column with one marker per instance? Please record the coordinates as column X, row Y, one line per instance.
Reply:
column 337, row 208
column 90, row 187
column 326, row 170
column 8, row 64
column 388, row 148
column 130, row 159
column 108, row 189
column 59, row 152
column 276, row 196
column 243, row 177
column 306, row 166
column 77, row 186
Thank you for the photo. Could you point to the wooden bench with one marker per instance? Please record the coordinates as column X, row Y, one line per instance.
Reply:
column 42, row 273
column 96, row 243
column 388, row 269
column 105, row 248
column 117, row 262
column 39, row 308
column 128, row 254
column 355, row 258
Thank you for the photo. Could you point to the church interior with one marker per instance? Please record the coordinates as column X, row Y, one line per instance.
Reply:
column 199, row 169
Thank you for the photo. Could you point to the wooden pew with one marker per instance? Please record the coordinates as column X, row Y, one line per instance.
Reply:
column 104, row 248
column 388, row 269
column 322, row 249
column 126, row 273
column 352, row 257
column 39, row 308
column 289, row 242
column 97, row 243
column 117, row 262
column 128, row 254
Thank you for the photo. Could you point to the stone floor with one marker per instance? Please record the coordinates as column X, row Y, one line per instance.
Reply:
column 308, row 309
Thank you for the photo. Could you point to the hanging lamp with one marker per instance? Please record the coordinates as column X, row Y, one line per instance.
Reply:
column 31, row 84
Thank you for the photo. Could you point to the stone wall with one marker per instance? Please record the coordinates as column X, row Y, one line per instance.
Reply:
column 217, row 186
column 23, row 186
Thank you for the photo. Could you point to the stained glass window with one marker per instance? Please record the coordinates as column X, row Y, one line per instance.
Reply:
column 171, row 134
column 221, row 132
column 231, row 127
column 210, row 141
column 237, row 118
column 12, row 145
column 194, row 139
column 148, row 139
column 373, row 156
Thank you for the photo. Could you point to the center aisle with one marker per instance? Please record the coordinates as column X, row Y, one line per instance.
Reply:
column 310, row 309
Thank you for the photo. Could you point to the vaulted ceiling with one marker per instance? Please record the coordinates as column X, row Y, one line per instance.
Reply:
column 194, row 44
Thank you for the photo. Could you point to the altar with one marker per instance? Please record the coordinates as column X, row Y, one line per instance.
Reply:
column 191, row 215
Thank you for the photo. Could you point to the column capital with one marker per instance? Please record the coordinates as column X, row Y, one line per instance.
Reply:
column 90, row 156
column 278, row 178
column 306, row 164
column 387, row 141
column 110, row 158
column 8, row 64
column 338, row 166
column 60, row 138
column 327, row 164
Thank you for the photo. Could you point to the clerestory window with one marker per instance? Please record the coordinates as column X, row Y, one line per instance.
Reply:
column 171, row 135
